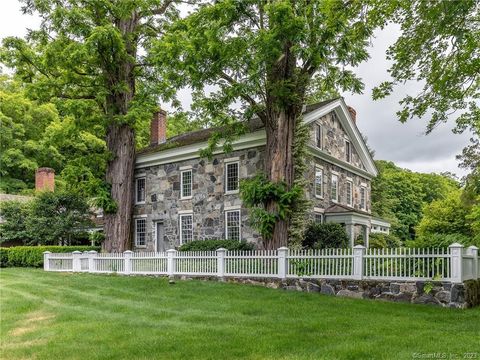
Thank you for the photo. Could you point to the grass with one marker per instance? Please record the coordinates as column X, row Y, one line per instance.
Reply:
column 83, row 316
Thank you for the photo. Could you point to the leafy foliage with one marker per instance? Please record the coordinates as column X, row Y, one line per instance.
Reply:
column 438, row 240
column 50, row 218
column 381, row 241
column 212, row 245
column 257, row 192
column 32, row 256
column 325, row 236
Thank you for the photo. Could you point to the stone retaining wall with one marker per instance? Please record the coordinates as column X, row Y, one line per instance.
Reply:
column 437, row 293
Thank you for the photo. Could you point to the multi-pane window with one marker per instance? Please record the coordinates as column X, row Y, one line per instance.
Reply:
column 318, row 182
column 140, row 190
column 318, row 218
column 186, row 228
column 349, row 193
column 140, row 232
column 334, row 187
column 318, row 135
column 186, row 184
column 232, row 225
column 363, row 198
column 231, row 177
column 348, row 151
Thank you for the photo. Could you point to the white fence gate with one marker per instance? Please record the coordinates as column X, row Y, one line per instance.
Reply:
column 454, row 264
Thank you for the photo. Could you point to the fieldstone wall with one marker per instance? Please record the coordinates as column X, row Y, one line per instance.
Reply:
column 436, row 293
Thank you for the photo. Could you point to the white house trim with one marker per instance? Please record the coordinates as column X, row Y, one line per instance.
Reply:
column 185, row 212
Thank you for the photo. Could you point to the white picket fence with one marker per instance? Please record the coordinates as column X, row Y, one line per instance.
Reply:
column 454, row 264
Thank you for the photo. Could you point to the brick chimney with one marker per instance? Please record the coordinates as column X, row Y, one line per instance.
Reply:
column 158, row 128
column 45, row 179
column 353, row 113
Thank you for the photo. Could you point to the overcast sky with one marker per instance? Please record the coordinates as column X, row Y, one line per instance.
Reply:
column 405, row 144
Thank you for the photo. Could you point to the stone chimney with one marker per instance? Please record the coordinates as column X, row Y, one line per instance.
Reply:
column 353, row 113
column 158, row 128
column 45, row 179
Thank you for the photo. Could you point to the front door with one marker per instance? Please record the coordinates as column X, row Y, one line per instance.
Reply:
column 160, row 244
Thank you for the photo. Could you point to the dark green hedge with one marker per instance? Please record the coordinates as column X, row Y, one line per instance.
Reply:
column 32, row 256
column 472, row 292
column 212, row 245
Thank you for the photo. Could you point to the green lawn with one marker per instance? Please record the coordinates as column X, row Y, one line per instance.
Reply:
column 64, row 316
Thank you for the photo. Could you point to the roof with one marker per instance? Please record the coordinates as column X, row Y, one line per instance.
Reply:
column 342, row 209
column 193, row 137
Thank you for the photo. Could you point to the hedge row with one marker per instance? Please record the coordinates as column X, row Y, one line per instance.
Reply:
column 32, row 256
column 212, row 245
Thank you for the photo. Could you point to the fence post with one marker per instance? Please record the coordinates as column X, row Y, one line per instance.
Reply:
column 282, row 262
column 473, row 251
column 91, row 260
column 127, row 256
column 76, row 262
column 456, row 262
column 221, row 263
column 46, row 260
column 171, row 262
column 358, row 254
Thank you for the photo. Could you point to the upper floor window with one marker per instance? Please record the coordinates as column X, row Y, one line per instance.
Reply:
column 140, row 190
column 318, row 136
column 318, row 182
column 232, row 225
column 186, row 184
column 186, row 228
column 349, row 192
column 334, row 187
column 348, row 151
column 231, row 177
column 140, row 231
column 363, row 198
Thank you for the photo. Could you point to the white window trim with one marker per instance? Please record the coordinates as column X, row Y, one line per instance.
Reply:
column 136, row 190
column 318, row 196
column 139, row 175
column 231, row 161
column 186, row 167
column 181, row 185
column 180, row 215
column 319, row 126
column 335, row 200
column 349, row 183
column 350, row 148
column 239, row 225
column 322, row 216
column 140, row 217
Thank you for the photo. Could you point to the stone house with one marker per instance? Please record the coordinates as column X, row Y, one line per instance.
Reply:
column 180, row 197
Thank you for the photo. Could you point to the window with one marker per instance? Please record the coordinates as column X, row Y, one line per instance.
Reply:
column 334, row 188
column 318, row 182
column 348, row 151
column 140, row 190
column 231, row 177
column 318, row 135
column 140, row 232
column 363, row 198
column 186, row 228
column 186, row 184
column 318, row 218
column 349, row 193
column 232, row 225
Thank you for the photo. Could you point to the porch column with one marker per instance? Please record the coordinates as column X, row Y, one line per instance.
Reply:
column 351, row 233
column 366, row 234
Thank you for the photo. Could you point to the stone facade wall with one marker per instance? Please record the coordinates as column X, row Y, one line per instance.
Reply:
column 208, row 202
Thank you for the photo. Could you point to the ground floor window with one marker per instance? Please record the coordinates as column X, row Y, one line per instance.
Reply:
column 319, row 218
column 232, row 225
column 186, row 228
column 140, row 232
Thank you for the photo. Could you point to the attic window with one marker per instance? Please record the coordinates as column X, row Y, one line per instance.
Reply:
column 348, row 151
column 318, row 136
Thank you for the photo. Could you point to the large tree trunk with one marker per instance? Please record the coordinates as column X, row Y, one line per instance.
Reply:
column 121, row 142
column 279, row 168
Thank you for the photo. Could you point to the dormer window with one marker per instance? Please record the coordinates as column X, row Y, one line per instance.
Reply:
column 348, row 151
column 318, row 136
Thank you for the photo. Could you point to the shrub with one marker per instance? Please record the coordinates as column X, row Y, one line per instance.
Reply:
column 32, row 256
column 323, row 236
column 212, row 245
column 381, row 241
column 440, row 241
